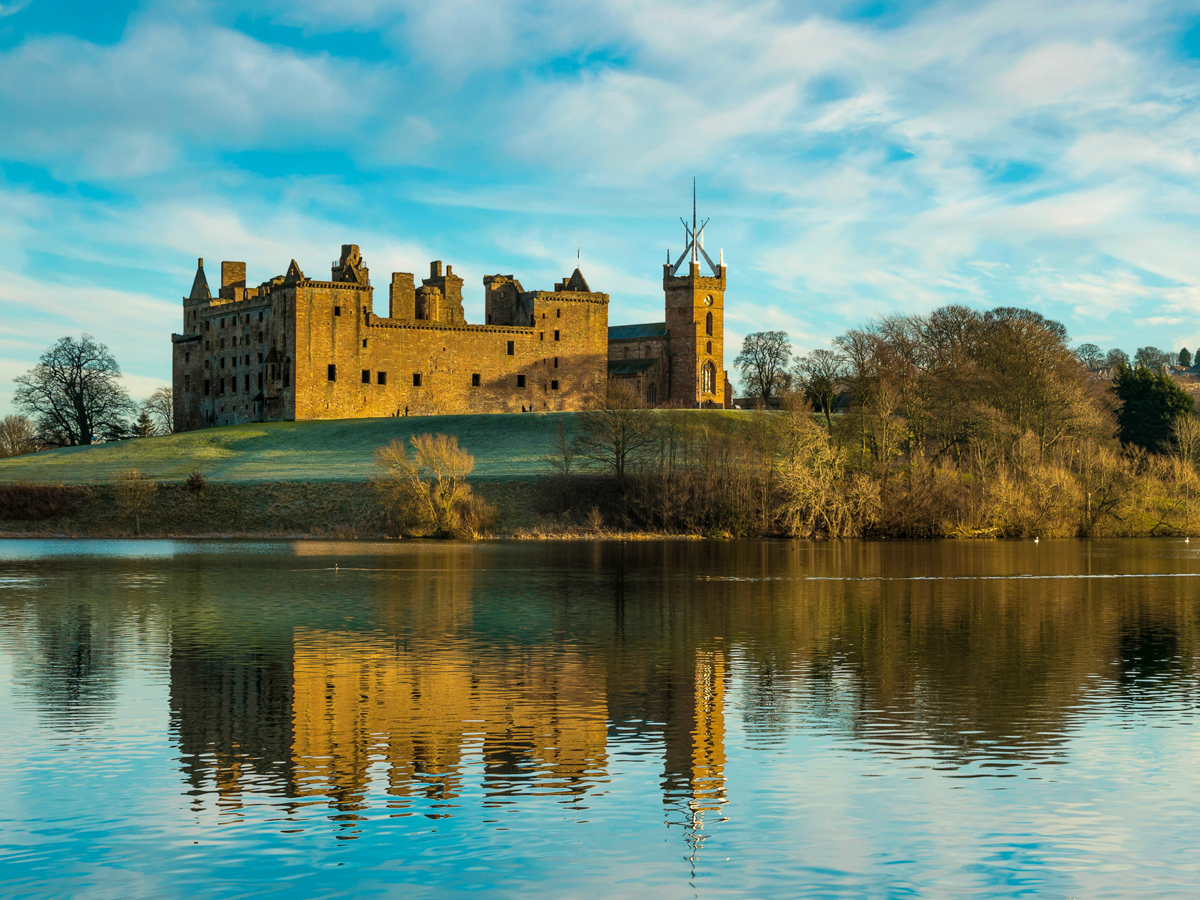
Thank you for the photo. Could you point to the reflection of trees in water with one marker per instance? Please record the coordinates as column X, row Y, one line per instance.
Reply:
column 73, row 670
column 518, row 668
column 75, row 632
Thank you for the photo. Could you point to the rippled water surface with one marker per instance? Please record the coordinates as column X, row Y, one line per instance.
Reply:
column 586, row 720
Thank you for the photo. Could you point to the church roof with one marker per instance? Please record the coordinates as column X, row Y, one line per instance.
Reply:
column 631, row 366
column 637, row 332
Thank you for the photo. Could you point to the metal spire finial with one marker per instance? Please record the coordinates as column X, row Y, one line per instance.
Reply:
column 694, row 239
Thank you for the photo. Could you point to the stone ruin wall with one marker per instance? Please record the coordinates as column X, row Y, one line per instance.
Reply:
column 445, row 359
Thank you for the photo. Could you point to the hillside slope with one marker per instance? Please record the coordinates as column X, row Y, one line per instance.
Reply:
column 505, row 447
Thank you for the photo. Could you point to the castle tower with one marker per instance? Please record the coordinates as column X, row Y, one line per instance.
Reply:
column 695, row 316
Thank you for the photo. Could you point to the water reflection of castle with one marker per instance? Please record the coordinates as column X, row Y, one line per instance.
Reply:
column 347, row 717
column 480, row 681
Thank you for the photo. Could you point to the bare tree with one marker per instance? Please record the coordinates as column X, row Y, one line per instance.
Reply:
column 616, row 431
column 135, row 496
column 820, row 376
column 17, row 436
column 764, row 362
column 563, row 454
column 1152, row 357
column 1115, row 358
column 1090, row 355
column 427, row 493
column 161, row 406
column 74, row 393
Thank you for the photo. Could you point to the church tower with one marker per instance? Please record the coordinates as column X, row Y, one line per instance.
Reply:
column 695, row 318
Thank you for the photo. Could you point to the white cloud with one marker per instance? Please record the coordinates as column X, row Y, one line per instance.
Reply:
column 995, row 152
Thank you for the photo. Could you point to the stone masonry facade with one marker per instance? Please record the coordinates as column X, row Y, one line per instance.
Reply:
column 295, row 348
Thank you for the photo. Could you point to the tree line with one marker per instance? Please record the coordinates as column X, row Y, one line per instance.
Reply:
column 955, row 423
column 74, row 397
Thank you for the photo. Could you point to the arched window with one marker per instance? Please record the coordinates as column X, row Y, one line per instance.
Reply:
column 708, row 378
column 708, row 324
column 708, row 347
column 652, row 394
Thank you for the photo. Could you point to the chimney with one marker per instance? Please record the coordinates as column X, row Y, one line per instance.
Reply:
column 435, row 269
column 233, row 275
column 402, row 297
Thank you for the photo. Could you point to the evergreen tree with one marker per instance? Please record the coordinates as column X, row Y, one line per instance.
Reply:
column 1185, row 358
column 1150, row 405
column 144, row 426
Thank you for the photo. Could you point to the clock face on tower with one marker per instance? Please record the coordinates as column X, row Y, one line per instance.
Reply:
column 708, row 300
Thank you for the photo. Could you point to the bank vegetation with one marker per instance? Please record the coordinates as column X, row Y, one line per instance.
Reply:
column 953, row 424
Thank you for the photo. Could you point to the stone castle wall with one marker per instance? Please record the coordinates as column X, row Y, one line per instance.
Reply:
column 296, row 348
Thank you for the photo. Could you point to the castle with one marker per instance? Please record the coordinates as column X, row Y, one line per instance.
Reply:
column 297, row 348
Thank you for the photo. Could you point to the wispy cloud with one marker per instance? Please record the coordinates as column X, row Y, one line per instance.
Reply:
column 1005, row 152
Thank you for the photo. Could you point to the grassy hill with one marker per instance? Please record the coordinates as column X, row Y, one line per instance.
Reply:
column 505, row 447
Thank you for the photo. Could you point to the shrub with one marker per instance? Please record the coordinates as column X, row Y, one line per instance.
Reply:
column 33, row 502
column 135, row 493
column 427, row 493
column 196, row 483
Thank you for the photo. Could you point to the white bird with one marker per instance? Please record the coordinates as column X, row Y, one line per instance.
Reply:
column 1036, row 539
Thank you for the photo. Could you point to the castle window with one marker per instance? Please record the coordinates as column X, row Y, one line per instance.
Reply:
column 383, row 378
column 260, row 359
column 554, row 385
column 331, row 372
column 416, row 379
column 489, row 318
column 652, row 394
column 708, row 347
column 558, row 314
column 556, row 335
column 708, row 323
column 475, row 380
column 364, row 343
column 337, row 310
column 222, row 323
column 206, row 387
column 556, row 362
column 208, row 326
column 511, row 348
column 187, row 357
column 626, row 353
column 366, row 376
column 708, row 378
column 541, row 335
column 221, row 382
column 187, row 382
column 287, row 373
column 222, row 362
column 260, row 315
column 222, row 343
column 520, row 381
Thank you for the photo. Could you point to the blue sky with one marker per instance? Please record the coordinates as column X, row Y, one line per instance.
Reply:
column 856, row 158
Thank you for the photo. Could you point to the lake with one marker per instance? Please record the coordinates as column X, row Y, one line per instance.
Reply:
column 675, row 719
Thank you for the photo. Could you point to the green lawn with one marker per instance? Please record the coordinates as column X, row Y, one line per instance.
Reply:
column 505, row 447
